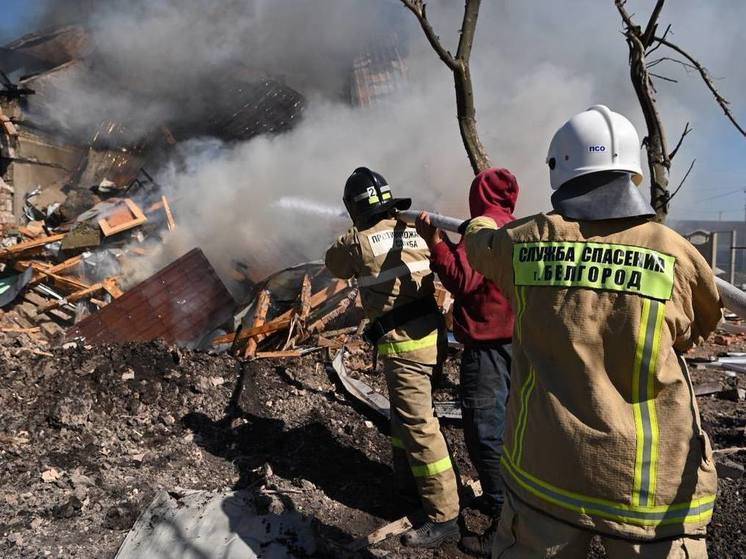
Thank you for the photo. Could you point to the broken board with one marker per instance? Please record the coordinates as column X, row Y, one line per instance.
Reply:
column 125, row 215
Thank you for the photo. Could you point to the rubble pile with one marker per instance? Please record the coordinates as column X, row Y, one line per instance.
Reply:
column 91, row 434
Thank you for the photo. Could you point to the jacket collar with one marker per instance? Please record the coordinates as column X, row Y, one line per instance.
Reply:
column 601, row 196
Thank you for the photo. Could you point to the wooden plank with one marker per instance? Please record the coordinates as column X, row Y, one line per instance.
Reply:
column 32, row 330
column 338, row 311
column 278, row 354
column 10, row 128
column 392, row 529
column 316, row 300
column 112, row 288
column 44, row 272
column 268, row 328
column 83, row 293
column 51, row 271
column 304, row 306
column 260, row 316
column 113, row 224
column 398, row 527
column 169, row 216
column 31, row 244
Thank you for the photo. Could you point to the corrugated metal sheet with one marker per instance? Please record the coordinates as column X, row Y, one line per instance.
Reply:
column 179, row 304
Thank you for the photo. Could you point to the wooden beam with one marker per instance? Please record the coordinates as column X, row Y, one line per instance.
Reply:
column 304, row 306
column 338, row 311
column 268, row 328
column 278, row 354
column 169, row 216
column 73, row 297
column 112, row 288
column 284, row 319
column 47, row 270
column 28, row 245
column 32, row 330
column 260, row 316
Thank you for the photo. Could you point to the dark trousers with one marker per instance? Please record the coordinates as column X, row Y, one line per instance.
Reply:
column 485, row 383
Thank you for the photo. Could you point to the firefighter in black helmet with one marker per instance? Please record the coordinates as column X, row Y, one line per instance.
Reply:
column 391, row 264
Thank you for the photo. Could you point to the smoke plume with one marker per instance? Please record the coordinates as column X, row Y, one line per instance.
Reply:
column 534, row 65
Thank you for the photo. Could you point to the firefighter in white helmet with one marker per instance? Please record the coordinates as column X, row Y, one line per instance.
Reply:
column 603, row 434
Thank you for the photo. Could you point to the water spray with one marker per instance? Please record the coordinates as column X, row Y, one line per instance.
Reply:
column 732, row 297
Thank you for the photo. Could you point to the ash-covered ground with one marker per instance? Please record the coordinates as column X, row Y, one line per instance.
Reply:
column 89, row 435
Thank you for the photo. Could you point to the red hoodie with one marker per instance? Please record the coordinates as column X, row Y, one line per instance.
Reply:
column 481, row 313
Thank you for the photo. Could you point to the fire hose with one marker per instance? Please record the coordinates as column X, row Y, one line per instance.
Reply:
column 733, row 298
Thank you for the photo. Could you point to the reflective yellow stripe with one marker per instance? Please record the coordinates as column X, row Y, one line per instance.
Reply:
column 520, row 430
column 643, row 402
column 432, row 469
column 396, row 442
column 695, row 511
column 520, row 297
column 655, row 429
column 392, row 348
column 386, row 196
column 373, row 200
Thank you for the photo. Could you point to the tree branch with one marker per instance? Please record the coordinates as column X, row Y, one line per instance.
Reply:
column 658, row 45
column 468, row 29
column 681, row 140
column 623, row 12
column 664, row 78
column 650, row 28
column 686, row 176
column 669, row 59
column 722, row 101
column 419, row 9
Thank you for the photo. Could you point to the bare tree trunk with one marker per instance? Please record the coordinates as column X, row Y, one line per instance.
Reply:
column 467, row 120
column 459, row 65
column 659, row 163
column 643, row 43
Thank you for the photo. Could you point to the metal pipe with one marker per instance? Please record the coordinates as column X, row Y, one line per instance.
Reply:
column 444, row 222
column 733, row 298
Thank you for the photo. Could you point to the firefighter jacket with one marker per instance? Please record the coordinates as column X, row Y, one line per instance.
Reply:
column 391, row 264
column 602, row 426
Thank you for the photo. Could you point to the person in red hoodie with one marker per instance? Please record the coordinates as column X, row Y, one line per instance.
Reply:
column 483, row 322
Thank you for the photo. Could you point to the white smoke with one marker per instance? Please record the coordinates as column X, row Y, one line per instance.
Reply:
column 534, row 65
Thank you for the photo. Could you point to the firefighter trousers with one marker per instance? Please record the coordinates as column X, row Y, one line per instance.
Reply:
column 525, row 533
column 415, row 432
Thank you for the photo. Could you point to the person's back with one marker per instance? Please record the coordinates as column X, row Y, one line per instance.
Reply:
column 602, row 316
column 602, row 428
column 390, row 263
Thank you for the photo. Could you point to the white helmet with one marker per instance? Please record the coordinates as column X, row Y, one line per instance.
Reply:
column 595, row 140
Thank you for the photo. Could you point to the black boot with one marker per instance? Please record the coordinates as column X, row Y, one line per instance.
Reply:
column 479, row 546
column 432, row 534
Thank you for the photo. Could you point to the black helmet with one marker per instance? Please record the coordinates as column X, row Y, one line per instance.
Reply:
column 368, row 197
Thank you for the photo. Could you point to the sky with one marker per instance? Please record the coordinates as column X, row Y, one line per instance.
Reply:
column 716, row 188
column 16, row 16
